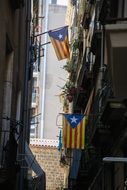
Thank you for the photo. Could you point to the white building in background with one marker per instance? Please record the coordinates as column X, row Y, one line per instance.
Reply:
column 49, row 79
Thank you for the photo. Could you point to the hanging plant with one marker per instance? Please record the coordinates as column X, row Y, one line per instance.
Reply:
column 70, row 66
column 65, row 106
column 69, row 97
column 69, row 90
column 75, row 45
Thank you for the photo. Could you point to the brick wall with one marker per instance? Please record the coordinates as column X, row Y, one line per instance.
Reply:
column 48, row 158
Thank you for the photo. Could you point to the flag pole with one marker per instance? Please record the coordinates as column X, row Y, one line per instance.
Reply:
column 50, row 31
column 45, row 43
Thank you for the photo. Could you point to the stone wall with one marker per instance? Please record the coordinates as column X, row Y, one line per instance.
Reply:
column 49, row 160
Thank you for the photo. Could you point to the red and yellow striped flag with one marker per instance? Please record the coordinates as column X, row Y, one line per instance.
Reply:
column 74, row 131
column 59, row 39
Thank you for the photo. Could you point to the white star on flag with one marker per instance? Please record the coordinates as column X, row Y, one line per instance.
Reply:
column 60, row 36
column 73, row 119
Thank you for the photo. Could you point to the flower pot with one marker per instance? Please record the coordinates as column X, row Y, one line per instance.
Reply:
column 72, row 90
column 70, row 97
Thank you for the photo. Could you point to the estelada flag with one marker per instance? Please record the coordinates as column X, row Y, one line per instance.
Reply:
column 59, row 39
column 74, row 131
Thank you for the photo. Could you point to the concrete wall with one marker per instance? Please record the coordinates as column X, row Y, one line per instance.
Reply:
column 49, row 158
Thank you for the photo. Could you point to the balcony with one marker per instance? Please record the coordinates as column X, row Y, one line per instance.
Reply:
column 99, row 132
column 9, row 168
column 108, row 10
column 113, row 112
column 108, row 116
column 115, row 116
column 35, row 95
column 101, row 135
column 83, row 80
column 34, row 100
column 85, row 71
column 115, row 59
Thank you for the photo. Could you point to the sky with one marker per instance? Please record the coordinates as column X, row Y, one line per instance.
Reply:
column 62, row 2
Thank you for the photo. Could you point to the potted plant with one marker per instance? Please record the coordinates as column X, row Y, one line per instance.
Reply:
column 69, row 87
column 70, row 66
column 69, row 90
column 75, row 45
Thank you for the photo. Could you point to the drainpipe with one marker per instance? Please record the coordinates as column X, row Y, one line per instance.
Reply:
column 44, row 72
column 102, row 64
column 25, row 103
column 101, row 83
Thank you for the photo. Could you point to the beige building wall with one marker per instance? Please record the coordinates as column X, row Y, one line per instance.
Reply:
column 52, row 79
column 49, row 160
column 55, row 77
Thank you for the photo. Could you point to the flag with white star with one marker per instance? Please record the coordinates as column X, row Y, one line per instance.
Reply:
column 74, row 119
column 74, row 131
column 59, row 39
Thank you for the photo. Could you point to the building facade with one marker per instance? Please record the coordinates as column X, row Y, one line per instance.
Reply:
column 50, row 77
column 14, row 106
column 101, row 93
column 15, row 96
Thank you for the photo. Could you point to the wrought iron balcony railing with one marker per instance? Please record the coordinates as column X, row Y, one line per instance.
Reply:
column 111, row 11
column 94, row 122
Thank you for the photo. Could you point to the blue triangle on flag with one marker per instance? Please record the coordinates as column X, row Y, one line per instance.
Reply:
column 59, row 34
column 74, row 119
